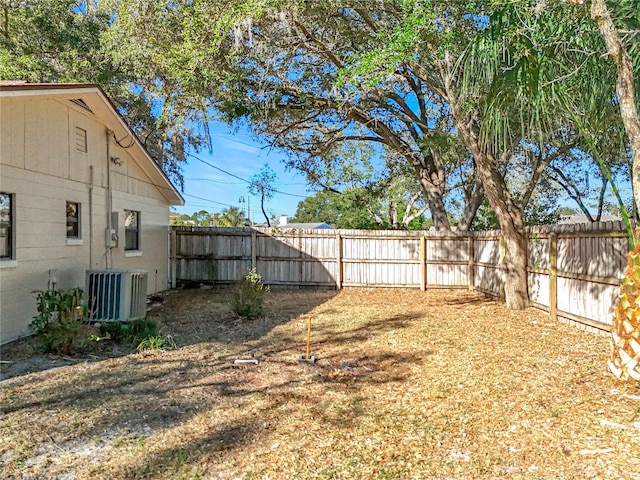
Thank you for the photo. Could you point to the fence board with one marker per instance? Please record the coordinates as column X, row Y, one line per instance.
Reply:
column 539, row 288
column 487, row 250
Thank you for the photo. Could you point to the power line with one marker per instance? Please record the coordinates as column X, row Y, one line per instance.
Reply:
column 214, row 180
column 289, row 194
column 228, row 138
column 240, row 178
column 205, row 206
column 210, row 201
column 218, row 168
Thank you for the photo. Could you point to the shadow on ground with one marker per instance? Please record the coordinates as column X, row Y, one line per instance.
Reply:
column 189, row 316
column 98, row 405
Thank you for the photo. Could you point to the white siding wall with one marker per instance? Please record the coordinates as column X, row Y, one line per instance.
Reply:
column 41, row 167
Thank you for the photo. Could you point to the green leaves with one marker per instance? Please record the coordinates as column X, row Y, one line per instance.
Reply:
column 261, row 184
column 231, row 217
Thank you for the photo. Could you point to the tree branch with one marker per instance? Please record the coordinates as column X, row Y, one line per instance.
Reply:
column 541, row 165
column 569, row 186
column 324, row 50
column 408, row 216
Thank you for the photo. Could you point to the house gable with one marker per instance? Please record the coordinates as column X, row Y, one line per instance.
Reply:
column 84, row 105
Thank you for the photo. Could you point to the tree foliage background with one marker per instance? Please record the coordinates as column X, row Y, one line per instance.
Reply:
column 316, row 78
column 476, row 100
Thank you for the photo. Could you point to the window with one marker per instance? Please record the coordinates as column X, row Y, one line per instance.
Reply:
column 131, row 230
column 81, row 140
column 73, row 220
column 7, row 225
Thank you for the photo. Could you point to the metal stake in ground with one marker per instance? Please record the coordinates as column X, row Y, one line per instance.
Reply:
column 308, row 358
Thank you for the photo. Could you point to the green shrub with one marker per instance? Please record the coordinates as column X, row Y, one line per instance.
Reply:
column 157, row 342
column 248, row 297
column 59, row 326
column 138, row 330
column 114, row 331
column 131, row 333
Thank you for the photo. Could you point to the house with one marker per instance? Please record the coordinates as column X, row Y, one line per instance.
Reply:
column 581, row 218
column 303, row 226
column 283, row 223
column 78, row 191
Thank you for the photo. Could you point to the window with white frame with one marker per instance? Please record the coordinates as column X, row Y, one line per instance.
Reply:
column 131, row 230
column 73, row 220
column 7, row 226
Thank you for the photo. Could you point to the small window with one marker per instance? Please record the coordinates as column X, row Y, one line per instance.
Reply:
column 81, row 140
column 73, row 220
column 131, row 230
column 7, row 226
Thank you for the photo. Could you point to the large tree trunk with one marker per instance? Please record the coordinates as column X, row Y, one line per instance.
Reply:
column 511, row 223
column 495, row 189
column 436, row 207
column 515, row 263
column 624, row 87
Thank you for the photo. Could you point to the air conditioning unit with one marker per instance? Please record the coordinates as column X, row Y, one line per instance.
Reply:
column 117, row 295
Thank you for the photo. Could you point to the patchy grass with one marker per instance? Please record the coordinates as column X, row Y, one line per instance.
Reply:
column 438, row 385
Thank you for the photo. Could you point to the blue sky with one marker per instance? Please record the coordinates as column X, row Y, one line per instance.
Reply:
column 208, row 187
column 237, row 153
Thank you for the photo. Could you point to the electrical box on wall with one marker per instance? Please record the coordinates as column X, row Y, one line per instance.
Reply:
column 111, row 237
column 111, row 233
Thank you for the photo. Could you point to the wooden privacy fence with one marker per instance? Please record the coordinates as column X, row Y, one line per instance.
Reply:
column 574, row 270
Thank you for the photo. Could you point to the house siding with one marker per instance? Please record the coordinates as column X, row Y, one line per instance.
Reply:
column 40, row 165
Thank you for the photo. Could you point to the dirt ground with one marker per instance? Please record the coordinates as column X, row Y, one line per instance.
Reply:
column 407, row 385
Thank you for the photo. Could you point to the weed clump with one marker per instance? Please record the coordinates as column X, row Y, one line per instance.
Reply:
column 157, row 342
column 142, row 334
column 249, row 296
column 60, row 326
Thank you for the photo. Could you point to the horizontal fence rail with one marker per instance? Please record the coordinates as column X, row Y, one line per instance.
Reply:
column 574, row 271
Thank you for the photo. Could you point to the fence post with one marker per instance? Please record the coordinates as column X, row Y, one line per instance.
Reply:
column 471, row 274
column 173, row 247
column 254, row 249
column 553, row 276
column 423, row 263
column 339, row 267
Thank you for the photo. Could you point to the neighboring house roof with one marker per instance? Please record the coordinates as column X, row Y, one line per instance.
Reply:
column 300, row 226
column 305, row 225
column 579, row 218
column 94, row 100
column 283, row 222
